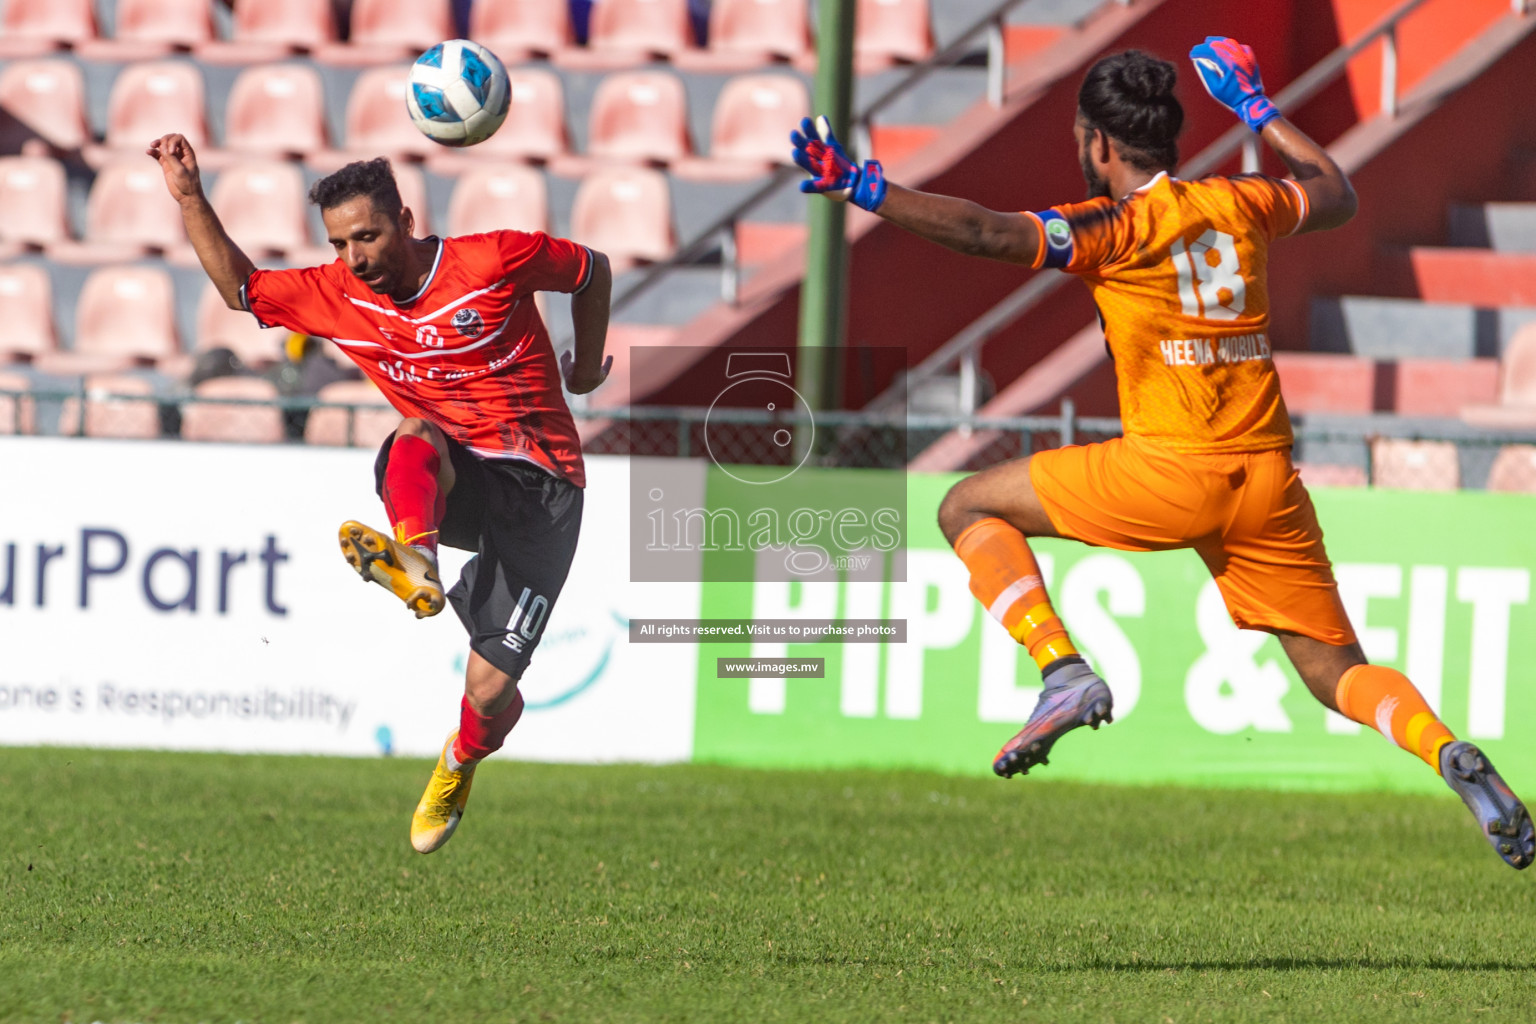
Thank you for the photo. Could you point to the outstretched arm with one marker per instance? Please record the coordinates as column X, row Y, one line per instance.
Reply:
column 587, row 368
column 958, row 224
column 1230, row 73
column 222, row 260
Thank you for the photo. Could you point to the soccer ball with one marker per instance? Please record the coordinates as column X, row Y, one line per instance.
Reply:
column 458, row 93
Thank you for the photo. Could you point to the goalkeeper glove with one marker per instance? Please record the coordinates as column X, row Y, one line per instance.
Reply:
column 820, row 155
column 1230, row 73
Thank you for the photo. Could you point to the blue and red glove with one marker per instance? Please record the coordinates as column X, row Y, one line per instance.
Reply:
column 820, row 155
column 1230, row 73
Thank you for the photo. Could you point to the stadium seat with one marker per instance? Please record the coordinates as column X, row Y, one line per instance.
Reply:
column 218, row 326
column 146, row 29
column 113, row 408
column 365, row 426
column 26, row 312
column 128, row 215
column 214, row 421
column 1326, row 474
column 533, row 131
column 517, row 30
column 125, row 317
column 636, row 116
column 413, row 196
column 376, row 123
column 391, row 30
column 1514, row 469
column 42, row 104
column 497, row 197
column 32, row 202
column 266, row 30
column 149, row 100
column 749, row 33
column 276, row 110
column 263, row 208
column 16, row 407
column 1517, row 386
column 890, row 32
column 747, row 127
column 1414, row 465
column 625, row 212
column 29, row 28
column 625, row 32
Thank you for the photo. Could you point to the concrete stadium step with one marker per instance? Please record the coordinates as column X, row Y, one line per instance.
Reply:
column 1396, row 328
column 1503, row 227
column 1482, row 277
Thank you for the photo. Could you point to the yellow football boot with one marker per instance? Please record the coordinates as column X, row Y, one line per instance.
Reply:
column 410, row 573
column 442, row 805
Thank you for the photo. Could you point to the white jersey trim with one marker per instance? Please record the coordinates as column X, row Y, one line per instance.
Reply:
column 431, row 353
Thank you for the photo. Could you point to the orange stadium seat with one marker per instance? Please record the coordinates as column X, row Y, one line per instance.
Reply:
column 1514, row 469
column 149, row 100
column 625, row 212
column 534, row 129
column 32, row 27
column 891, row 31
column 1414, row 465
column 391, row 30
column 516, row 30
column 15, row 409
column 32, row 201
column 254, row 424
column 125, row 317
column 26, row 312
column 267, row 30
column 45, row 101
column 639, row 116
column 218, row 326
column 376, row 123
column 748, row 33
column 370, row 421
column 747, row 128
column 262, row 205
column 127, row 215
column 1517, row 385
column 114, row 408
column 497, row 197
column 631, row 31
column 276, row 110
column 146, row 29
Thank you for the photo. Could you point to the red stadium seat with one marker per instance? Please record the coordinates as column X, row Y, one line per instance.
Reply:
column 497, row 197
column 147, row 101
column 146, row 29
column 1514, row 469
column 1414, row 465
column 29, row 28
column 639, row 116
column 534, row 129
column 747, row 131
column 748, row 33
column 126, row 316
column 253, row 424
column 366, row 425
column 128, row 215
column 623, row 32
column 16, row 412
column 376, row 122
column 891, row 31
column 26, row 312
column 218, row 326
column 116, row 405
column 267, row 30
column 45, row 100
column 516, row 30
column 276, row 110
column 263, row 208
column 391, row 30
column 1517, row 386
column 625, row 212
column 32, row 201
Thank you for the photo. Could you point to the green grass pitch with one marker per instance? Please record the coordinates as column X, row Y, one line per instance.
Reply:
column 183, row 887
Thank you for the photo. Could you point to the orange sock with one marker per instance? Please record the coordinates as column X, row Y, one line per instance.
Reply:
column 1006, row 579
column 1387, row 700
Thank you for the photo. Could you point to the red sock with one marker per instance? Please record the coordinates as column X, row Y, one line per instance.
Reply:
column 480, row 736
column 411, row 496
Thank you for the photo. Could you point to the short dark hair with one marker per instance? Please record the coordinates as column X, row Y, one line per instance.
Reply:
column 1129, row 96
column 372, row 178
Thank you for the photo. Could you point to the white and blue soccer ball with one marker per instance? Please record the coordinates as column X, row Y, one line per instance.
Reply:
column 458, row 93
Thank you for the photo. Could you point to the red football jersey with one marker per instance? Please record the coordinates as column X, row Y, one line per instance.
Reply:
column 469, row 352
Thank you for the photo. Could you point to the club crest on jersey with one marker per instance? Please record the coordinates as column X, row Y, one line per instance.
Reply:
column 468, row 322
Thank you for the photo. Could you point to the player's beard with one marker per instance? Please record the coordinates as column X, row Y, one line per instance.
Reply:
column 1097, row 187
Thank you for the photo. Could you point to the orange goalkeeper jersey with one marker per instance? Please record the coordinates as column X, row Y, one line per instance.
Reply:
column 1178, row 273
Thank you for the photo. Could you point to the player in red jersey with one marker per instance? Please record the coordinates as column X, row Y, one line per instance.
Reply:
column 487, row 457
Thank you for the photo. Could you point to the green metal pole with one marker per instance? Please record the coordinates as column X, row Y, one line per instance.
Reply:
column 823, row 298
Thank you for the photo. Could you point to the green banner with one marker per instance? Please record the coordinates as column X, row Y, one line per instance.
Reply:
column 1438, row 585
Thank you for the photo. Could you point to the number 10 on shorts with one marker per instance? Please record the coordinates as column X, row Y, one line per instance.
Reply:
column 527, row 620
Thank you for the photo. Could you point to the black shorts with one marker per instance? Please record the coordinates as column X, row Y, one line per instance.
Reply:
column 522, row 524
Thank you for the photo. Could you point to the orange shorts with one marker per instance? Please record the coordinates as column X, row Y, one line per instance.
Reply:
column 1248, row 516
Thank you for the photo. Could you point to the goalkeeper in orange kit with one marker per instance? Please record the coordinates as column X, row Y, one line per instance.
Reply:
column 1178, row 273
